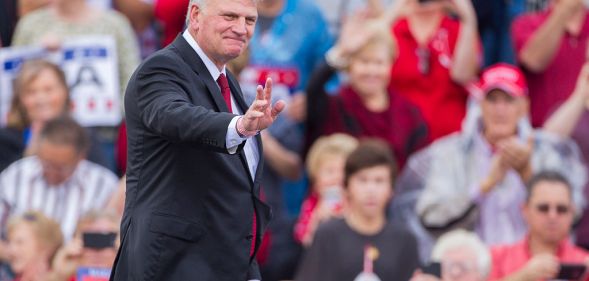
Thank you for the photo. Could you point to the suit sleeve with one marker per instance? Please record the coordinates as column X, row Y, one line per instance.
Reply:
column 165, row 107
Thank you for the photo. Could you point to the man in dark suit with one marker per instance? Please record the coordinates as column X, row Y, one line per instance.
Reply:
column 192, row 209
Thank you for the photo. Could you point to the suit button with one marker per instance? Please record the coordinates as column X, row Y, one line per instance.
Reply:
column 249, row 237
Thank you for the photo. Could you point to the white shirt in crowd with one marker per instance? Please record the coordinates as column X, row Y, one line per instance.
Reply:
column 23, row 188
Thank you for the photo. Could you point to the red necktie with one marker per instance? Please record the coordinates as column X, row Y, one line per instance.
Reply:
column 225, row 90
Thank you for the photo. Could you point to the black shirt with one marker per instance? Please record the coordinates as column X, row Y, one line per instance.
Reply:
column 337, row 253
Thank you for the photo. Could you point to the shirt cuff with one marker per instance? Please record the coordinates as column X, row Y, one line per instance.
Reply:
column 233, row 140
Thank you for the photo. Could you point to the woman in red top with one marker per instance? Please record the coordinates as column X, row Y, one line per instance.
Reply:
column 437, row 54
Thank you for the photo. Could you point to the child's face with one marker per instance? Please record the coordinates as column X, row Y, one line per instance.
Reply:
column 370, row 190
column 330, row 172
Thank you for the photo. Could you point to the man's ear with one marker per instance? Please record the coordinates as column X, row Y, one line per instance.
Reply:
column 195, row 12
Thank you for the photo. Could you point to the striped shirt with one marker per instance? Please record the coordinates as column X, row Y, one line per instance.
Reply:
column 23, row 188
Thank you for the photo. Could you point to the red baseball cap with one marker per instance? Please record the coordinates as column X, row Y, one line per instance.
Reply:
column 504, row 77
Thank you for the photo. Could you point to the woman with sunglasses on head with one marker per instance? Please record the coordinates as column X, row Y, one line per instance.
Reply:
column 438, row 53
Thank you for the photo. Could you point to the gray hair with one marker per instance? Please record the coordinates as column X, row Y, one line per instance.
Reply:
column 201, row 4
column 462, row 239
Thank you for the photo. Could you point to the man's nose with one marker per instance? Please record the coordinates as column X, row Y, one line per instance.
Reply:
column 240, row 26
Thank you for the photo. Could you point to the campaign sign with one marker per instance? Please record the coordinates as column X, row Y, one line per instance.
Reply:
column 90, row 67
column 93, row 274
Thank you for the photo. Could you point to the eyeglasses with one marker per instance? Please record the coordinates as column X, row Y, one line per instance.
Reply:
column 560, row 208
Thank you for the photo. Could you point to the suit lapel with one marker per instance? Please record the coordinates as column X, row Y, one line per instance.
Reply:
column 198, row 66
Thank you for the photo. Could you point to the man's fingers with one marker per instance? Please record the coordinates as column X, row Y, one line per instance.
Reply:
column 259, row 93
column 259, row 105
column 268, row 90
column 278, row 107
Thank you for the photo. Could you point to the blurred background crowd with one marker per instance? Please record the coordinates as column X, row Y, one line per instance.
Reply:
column 423, row 139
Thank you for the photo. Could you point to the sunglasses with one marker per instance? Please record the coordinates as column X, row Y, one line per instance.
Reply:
column 560, row 209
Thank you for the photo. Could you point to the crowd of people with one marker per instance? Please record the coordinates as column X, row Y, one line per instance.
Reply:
column 422, row 139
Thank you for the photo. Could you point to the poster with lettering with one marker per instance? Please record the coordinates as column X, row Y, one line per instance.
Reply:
column 93, row 274
column 90, row 67
column 11, row 59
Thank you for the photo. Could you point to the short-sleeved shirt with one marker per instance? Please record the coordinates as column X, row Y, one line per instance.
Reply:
column 337, row 253
column 508, row 259
column 441, row 100
column 550, row 88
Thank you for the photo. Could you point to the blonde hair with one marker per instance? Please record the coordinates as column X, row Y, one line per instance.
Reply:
column 333, row 145
column 30, row 70
column 46, row 230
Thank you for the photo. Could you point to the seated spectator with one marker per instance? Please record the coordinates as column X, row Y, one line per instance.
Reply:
column 549, row 213
column 463, row 257
column 33, row 240
column 325, row 167
column 41, row 94
column 438, row 53
column 58, row 181
column 365, row 107
column 475, row 179
column 363, row 243
column 77, row 255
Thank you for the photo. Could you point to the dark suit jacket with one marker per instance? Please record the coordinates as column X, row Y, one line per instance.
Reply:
column 189, row 203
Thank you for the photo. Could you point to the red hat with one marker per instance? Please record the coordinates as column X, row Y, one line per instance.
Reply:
column 505, row 77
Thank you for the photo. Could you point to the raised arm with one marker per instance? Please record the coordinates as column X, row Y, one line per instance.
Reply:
column 537, row 52
column 564, row 120
column 465, row 58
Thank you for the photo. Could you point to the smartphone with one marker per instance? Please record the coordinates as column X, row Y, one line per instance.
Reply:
column 425, row 1
column 433, row 268
column 571, row 271
column 98, row 240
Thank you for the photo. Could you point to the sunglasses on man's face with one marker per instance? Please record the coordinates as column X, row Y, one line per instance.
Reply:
column 560, row 208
